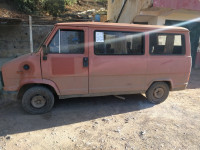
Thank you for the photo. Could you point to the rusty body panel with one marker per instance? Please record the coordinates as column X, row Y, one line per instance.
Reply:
column 105, row 74
column 120, row 26
column 14, row 74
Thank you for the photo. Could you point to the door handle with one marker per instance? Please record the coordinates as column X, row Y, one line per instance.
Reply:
column 85, row 61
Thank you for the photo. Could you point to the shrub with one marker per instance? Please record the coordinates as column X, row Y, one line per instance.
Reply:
column 54, row 7
column 28, row 6
column 104, row 2
column 70, row 2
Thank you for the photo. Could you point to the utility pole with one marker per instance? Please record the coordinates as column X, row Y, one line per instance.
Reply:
column 31, row 34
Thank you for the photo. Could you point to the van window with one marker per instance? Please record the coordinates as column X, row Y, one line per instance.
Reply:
column 167, row 44
column 118, row 43
column 67, row 42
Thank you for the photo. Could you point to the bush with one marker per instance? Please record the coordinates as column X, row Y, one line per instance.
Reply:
column 54, row 7
column 70, row 2
column 28, row 6
column 104, row 2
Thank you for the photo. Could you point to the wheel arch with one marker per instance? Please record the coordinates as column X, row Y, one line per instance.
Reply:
column 168, row 81
column 41, row 82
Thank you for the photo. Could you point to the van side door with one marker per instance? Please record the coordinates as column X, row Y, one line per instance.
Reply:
column 67, row 60
column 117, row 61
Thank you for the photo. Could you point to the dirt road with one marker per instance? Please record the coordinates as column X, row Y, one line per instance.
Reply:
column 108, row 123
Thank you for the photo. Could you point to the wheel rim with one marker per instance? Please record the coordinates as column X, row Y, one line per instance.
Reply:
column 38, row 101
column 158, row 92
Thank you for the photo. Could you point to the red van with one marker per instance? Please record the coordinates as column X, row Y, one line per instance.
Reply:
column 96, row 59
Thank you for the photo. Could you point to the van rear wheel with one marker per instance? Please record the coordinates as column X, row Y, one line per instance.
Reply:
column 158, row 92
column 38, row 100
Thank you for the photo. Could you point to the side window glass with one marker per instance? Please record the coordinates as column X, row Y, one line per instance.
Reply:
column 54, row 44
column 167, row 44
column 118, row 43
column 67, row 42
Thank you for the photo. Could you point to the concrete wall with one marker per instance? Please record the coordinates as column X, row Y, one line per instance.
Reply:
column 114, row 9
column 158, row 20
column 131, row 9
column 153, row 11
column 14, row 39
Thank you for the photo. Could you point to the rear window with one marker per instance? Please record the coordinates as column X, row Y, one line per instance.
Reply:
column 118, row 43
column 167, row 44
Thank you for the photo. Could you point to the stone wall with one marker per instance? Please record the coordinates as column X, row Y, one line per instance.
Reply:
column 14, row 39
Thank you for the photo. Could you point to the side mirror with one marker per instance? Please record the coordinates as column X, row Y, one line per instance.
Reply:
column 45, row 52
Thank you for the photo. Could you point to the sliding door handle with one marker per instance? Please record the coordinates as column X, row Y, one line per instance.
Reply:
column 85, row 61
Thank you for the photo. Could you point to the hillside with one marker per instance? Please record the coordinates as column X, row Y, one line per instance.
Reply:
column 84, row 10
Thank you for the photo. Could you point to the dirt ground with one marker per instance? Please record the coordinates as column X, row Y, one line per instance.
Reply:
column 108, row 123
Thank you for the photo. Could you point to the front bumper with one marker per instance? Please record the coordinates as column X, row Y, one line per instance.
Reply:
column 6, row 94
column 11, row 95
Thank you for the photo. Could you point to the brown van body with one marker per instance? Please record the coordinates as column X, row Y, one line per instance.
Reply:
column 105, row 74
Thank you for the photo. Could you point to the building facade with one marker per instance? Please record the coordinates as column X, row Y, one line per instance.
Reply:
column 159, row 12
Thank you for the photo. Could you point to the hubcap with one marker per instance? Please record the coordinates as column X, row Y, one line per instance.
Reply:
column 158, row 92
column 38, row 101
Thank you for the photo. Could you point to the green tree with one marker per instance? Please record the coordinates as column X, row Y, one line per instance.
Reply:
column 28, row 6
column 54, row 7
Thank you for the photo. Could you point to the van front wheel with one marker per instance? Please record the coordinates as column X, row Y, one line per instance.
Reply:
column 38, row 100
column 158, row 92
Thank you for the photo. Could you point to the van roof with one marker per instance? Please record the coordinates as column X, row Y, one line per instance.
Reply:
column 122, row 25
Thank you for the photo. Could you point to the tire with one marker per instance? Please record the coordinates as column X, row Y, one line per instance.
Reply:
column 38, row 100
column 157, row 92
